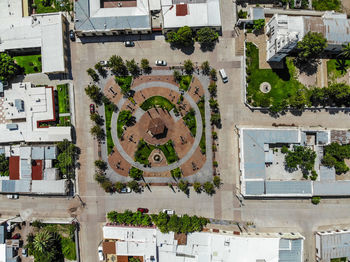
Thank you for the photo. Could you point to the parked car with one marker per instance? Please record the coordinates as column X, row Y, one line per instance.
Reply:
column 129, row 43
column 126, row 190
column 24, row 252
column 72, row 35
column 223, row 75
column 161, row 63
column 16, row 236
column 100, row 253
column 142, row 210
column 170, row 212
column 104, row 63
column 92, row 108
column 12, row 196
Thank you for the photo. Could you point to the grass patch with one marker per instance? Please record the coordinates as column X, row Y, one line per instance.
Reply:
column 63, row 98
column 185, row 82
column 337, row 68
column 108, row 115
column 190, row 121
column 64, row 121
column 324, row 5
column 202, row 143
column 284, row 84
column 68, row 248
column 144, row 150
column 340, row 259
column 124, row 82
column 30, row 63
column 124, row 118
column 157, row 101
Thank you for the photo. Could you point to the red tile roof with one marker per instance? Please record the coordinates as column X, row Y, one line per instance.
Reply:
column 37, row 169
column 181, row 10
column 14, row 168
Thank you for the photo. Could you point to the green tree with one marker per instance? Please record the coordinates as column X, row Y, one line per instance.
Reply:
column 8, row 67
column 302, row 157
column 215, row 119
column 217, row 181
column 176, row 173
column 100, row 69
column 298, row 101
column 324, row 5
column 134, row 186
column 197, row 187
column 98, row 132
column 311, row 46
column 183, row 186
column 182, row 38
column 97, row 119
column 94, row 93
column 315, row 200
column 346, row 51
column 205, row 68
column 4, row 165
column 188, row 65
column 177, row 76
column 101, row 165
column 133, row 259
column 47, row 247
column 209, row 188
column 133, row 68
column 214, row 105
column 125, row 117
column 119, row 186
column 145, row 66
column 212, row 74
column 117, row 66
column 212, row 89
column 92, row 73
column 258, row 24
column 207, row 37
column 135, row 173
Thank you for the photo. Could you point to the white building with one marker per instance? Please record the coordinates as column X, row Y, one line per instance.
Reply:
column 152, row 245
column 332, row 244
column 195, row 14
column 284, row 32
column 25, row 107
column 43, row 32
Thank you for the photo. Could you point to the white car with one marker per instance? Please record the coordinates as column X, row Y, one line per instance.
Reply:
column 100, row 253
column 126, row 190
column 169, row 212
column 104, row 63
column 12, row 196
column 161, row 63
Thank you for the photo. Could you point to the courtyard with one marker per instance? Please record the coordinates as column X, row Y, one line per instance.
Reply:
column 159, row 131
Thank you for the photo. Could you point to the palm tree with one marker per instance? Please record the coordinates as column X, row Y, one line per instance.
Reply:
column 43, row 241
column 346, row 51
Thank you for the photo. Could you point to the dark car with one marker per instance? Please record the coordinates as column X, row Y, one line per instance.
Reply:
column 72, row 35
column 142, row 210
column 129, row 43
column 16, row 236
column 92, row 108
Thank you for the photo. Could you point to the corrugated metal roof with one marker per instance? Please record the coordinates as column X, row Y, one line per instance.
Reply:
column 25, row 169
column 19, row 104
column 327, row 173
column 335, row 245
column 254, row 187
column 38, row 152
column 2, row 234
column 8, row 186
column 288, row 187
column 257, row 13
column 50, row 152
column 46, row 187
column 337, row 30
column 322, row 138
column 329, row 188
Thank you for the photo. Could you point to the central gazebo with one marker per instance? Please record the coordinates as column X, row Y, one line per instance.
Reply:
column 157, row 128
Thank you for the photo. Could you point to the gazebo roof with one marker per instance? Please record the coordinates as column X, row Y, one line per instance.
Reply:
column 156, row 126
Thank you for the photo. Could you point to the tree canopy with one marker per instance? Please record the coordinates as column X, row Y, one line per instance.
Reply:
column 4, row 165
column 302, row 157
column 67, row 155
column 207, row 37
column 183, row 37
column 334, row 155
column 8, row 67
column 311, row 46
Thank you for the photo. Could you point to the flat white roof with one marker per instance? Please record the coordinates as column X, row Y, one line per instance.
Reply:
column 141, row 8
column 199, row 15
column 53, row 187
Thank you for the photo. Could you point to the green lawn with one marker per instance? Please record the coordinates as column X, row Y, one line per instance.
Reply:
column 157, row 101
column 337, row 68
column 202, row 143
column 284, row 84
column 30, row 63
column 190, row 121
column 64, row 121
column 340, row 259
column 324, row 5
column 144, row 150
column 63, row 98
column 108, row 116
column 124, row 82
column 185, row 82
column 52, row 6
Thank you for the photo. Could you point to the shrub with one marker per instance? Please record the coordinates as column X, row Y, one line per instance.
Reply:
column 315, row 200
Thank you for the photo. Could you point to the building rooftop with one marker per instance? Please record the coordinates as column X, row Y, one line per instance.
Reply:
column 333, row 244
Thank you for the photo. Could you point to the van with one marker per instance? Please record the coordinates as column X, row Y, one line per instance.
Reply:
column 223, row 75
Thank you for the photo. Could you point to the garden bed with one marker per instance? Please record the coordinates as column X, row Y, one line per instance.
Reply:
column 190, row 122
column 159, row 101
column 185, row 82
column 108, row 115
column 64, row 121
column 284, row 84
column 202, row 143
column 63, row 98
column 144, row 150
column 337, row 68
column 30, row 63
column 124, row 83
